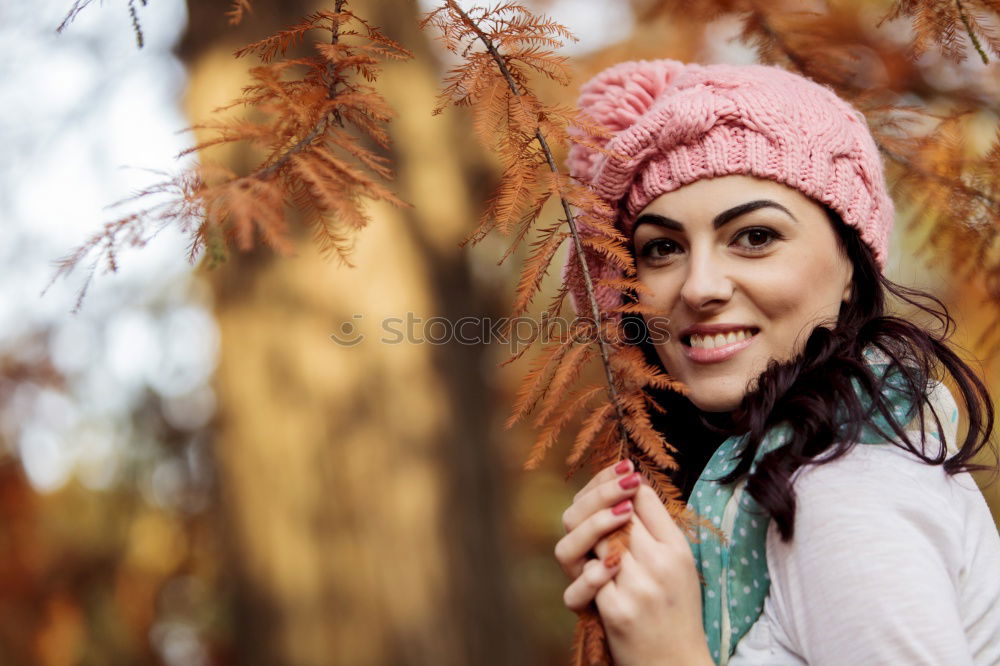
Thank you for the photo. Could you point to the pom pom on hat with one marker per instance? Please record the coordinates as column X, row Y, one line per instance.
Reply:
column 616, row 99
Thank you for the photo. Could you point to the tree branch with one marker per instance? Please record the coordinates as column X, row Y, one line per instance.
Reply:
column 570, row 219
column 971, row 33
column 267, row 172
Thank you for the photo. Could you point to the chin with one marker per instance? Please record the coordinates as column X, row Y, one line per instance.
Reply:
column 715, row 402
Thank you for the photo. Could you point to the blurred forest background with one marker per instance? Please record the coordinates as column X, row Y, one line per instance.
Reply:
column 192, row 471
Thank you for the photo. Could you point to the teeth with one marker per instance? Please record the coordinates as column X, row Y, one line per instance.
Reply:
column 719, row 340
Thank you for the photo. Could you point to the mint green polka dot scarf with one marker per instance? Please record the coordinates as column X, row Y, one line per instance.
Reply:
column 735, row 575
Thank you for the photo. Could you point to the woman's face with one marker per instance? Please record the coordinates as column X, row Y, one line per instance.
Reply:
column 744, row 269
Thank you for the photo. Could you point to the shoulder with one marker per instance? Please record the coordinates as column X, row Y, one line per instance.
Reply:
column 885, row 473
column 892, row 561
column 876, row 501
column 889, row 556
column 882, row 480
column 878, row 479
column 885, row 489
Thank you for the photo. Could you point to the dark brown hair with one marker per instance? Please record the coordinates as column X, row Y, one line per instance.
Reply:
column 816, row 392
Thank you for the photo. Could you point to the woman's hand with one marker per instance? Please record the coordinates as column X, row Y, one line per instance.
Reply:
column 650, row 603
column 602, row 506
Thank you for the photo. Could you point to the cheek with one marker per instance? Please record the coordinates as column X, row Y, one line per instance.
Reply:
column 795, row 293
column 662, row 289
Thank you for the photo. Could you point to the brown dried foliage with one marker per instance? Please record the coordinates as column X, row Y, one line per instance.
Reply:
column 315, row 118
column 238, row 9
column 501, row 47
column 947, row 25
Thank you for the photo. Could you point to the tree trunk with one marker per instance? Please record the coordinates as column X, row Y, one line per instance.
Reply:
column 361, row 485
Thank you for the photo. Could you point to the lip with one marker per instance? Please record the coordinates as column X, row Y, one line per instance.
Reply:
column 718, row 354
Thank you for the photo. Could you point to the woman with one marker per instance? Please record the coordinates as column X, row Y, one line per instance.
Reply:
column 816, row 433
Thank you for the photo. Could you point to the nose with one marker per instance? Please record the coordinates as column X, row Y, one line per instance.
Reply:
column 707, row 282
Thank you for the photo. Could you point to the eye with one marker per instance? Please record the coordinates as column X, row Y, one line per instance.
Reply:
column 659, row 249
column 756, row 239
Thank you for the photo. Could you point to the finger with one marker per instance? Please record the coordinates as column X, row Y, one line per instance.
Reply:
column 602, row 547
column 655, row 517
column 581, row 591
column 613, row 470
column 650, row 566
column 600, row 496
column 632, row 577
column 618, row 598
column 571, row 551
column 646, row 550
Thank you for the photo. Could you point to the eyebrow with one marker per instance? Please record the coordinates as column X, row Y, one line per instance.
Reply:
column 721, row 219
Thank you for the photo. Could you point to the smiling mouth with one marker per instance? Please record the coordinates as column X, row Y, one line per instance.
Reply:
column 697, row 341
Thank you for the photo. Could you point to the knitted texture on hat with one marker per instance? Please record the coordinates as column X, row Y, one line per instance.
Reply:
column 672, row 123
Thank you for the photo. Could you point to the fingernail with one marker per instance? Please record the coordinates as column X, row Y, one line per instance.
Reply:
column 622, row 507
column 630, row 481
column 623, row 466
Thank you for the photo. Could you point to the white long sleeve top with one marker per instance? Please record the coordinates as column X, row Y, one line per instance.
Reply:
column 893, row 562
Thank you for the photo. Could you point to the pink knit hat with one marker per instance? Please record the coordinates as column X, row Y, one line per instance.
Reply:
column 673, row 123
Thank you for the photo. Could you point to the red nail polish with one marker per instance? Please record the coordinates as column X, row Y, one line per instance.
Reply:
column 622, row 507
column 623, row 467
column 630, row 481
